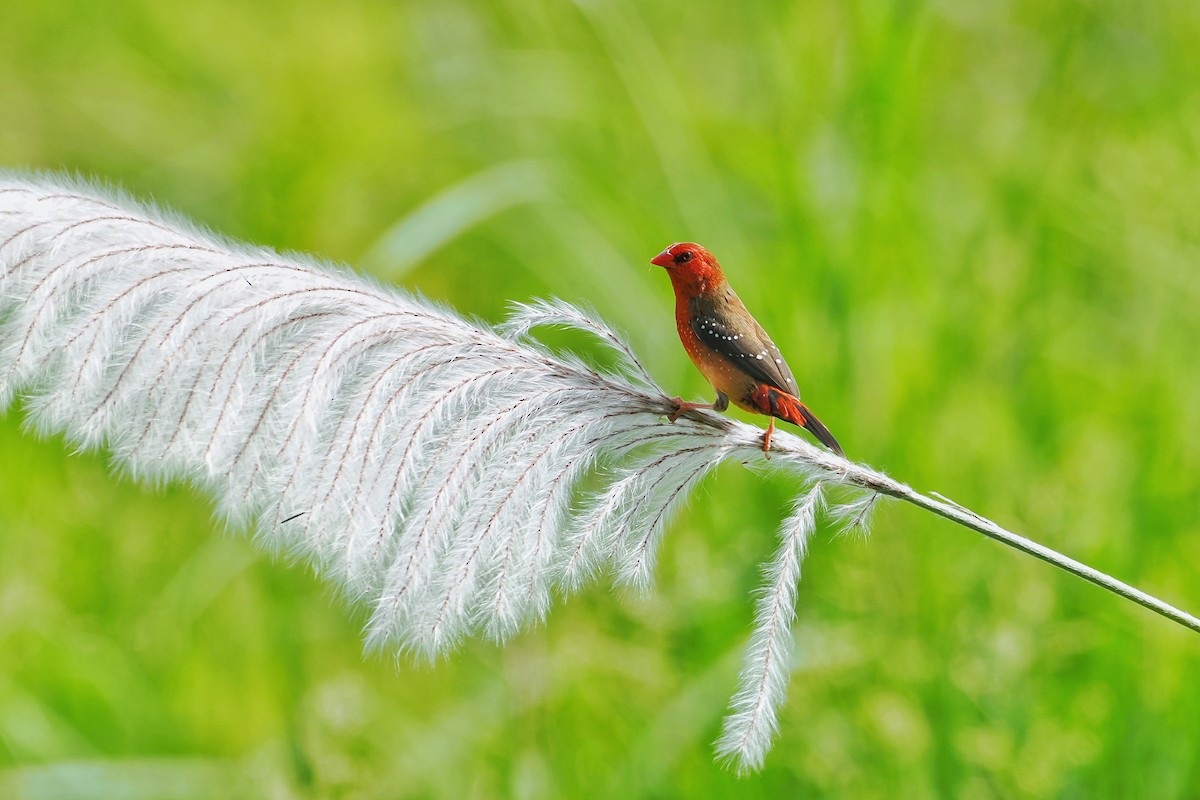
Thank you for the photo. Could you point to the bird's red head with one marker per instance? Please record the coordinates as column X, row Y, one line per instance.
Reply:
column 692, row 269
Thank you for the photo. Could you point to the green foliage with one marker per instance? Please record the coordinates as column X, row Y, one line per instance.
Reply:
column 973, row 229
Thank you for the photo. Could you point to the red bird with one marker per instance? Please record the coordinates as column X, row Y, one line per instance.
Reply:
column 730, row 348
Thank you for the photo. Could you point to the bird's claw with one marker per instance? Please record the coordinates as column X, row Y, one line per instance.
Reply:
column 679, row 409
column 682, row 406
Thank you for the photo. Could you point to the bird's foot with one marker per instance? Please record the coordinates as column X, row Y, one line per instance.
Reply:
column 767, row 438
column 681, row 407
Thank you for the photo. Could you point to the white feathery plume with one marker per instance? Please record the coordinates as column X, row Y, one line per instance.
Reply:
column 747, row 732
column 854, row 516
column 430, row 466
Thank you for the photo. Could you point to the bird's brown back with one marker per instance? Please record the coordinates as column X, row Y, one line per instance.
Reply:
column 729, row 346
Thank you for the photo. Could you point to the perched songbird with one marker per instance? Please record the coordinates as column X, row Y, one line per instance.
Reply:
column 729, row 347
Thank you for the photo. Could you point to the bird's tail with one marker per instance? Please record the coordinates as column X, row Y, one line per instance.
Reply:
column 787, row 407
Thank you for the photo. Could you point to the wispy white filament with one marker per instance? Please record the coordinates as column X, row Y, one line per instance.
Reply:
column 435, row 469
column 748, row 730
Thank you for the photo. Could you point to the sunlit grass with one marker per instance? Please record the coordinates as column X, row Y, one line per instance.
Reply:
column 972, row 228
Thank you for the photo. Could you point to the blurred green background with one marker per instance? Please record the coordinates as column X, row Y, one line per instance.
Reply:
column 973, row 227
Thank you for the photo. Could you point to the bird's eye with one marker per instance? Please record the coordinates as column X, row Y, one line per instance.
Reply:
column 684, row 257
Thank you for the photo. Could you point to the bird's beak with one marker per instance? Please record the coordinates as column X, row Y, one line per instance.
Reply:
column 663, row 259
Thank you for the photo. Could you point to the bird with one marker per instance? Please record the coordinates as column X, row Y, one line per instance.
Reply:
column 730, row 348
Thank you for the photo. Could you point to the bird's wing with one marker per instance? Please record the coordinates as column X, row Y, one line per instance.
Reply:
column 726, row 327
